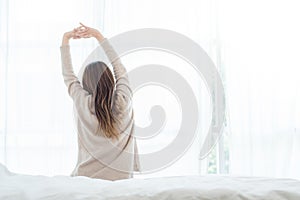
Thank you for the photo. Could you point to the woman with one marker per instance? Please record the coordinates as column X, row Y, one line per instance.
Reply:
column 104, row 116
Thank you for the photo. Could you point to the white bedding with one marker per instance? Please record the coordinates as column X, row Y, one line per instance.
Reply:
column 16, row 186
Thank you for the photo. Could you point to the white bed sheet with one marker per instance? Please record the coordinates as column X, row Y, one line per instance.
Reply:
column 23, row 187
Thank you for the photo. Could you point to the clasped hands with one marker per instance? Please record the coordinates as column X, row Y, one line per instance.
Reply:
column 82, row 31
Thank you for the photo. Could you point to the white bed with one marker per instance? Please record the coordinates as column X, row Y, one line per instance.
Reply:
column 22, row 187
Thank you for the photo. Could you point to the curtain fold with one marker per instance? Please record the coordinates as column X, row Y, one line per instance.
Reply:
column 3, row 73
column 261, row 46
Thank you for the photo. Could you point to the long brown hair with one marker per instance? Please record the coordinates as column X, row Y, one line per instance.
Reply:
column 98, row 80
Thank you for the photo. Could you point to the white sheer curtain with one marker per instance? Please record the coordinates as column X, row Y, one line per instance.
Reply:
column 255, row 45
column 260, row 45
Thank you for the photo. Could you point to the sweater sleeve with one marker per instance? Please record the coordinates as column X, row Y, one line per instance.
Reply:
column 70, row 79
column 123, row 94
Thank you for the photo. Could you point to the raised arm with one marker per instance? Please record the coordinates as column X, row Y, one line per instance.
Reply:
column 70, row 79
column 123, row 91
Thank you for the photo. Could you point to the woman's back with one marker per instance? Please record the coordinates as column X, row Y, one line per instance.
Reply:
column 101, row 156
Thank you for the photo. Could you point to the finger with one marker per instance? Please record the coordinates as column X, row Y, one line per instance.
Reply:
column 80, row 27
column 83, row 25
column 75, row 33
column 83, row 34
column 86, row 36
column 77, row 29
column 83, row 30
column 77, row 36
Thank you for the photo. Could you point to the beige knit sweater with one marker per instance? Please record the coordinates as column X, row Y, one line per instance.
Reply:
column 98, row 156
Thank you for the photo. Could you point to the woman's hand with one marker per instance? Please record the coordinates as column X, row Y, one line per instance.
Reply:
column 87, row 32
column 82, row 32
column 70, row 34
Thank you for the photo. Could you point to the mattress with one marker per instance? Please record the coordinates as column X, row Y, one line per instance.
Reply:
column 17, row 186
